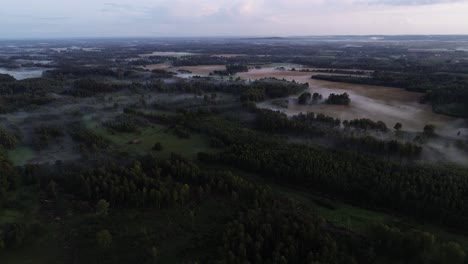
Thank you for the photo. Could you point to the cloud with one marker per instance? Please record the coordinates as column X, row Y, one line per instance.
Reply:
column 412, row 2
column 232, row 17
column 113, row 7
column 52, row 18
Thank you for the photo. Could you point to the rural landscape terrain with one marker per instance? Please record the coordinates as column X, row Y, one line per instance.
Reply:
column 345, row 149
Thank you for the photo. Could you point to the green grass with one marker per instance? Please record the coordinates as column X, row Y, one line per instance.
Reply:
column 9, row 216
column 21, row 155
column 149, row 136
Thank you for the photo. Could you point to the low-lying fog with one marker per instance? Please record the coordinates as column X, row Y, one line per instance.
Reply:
column 23, row 73
column 66, row 111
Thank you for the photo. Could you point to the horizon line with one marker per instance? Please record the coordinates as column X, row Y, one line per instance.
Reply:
column 229, row 36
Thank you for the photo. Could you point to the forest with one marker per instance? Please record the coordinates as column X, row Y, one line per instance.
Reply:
column 227, row 151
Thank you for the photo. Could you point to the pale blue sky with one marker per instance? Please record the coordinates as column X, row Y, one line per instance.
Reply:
column 128, row 18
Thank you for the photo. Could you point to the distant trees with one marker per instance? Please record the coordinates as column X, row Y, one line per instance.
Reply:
column 429, row 130
column 8, row 175
column 90, row 141
column 271, row 88
column 346, row 174
column 8, row 140
column 102, row 207
column 275, row 121
column 377, row 146
column 91, row 87
column 275, row 232
column 304, row 98
column 157, row 146
column 160, row 73
column 104, row 239
column 232, row 69
column 14, row 235
column 452, row 252
column 317, row 97
column 6, row 78
column 45, row 133
column 51, row 189
column 398, row 126
column 366, row 124
column 414, row 245
column 338, row 99
column 339, row 71
column 87, row 72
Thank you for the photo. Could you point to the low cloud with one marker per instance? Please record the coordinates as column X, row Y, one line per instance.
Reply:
column 233, row 17
column 412, row 2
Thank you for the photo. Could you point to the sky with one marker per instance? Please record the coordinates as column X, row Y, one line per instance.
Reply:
column 187, row 18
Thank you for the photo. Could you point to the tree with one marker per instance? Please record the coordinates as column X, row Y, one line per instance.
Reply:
column 52, row 189
column 303, row 98
column 154, row 253
column 452, row 253
column 338, row 99
column 102, row 207
column 429, row 130
column 4, row 183
column 398, row 126
column 104, row 238
column 157, row 146
column 317, row 96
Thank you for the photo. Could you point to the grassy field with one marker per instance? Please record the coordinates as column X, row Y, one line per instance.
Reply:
column 149, row 136
column 21, row 155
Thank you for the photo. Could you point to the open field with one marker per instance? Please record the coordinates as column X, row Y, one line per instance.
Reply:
column 149, row 136
column 161, row 66
column 21, row 155
column 227, row 55
column 202, row 70
column 167, row 54
column 387, row 104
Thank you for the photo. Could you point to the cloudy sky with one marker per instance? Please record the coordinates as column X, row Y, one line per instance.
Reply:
column 126, row 18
